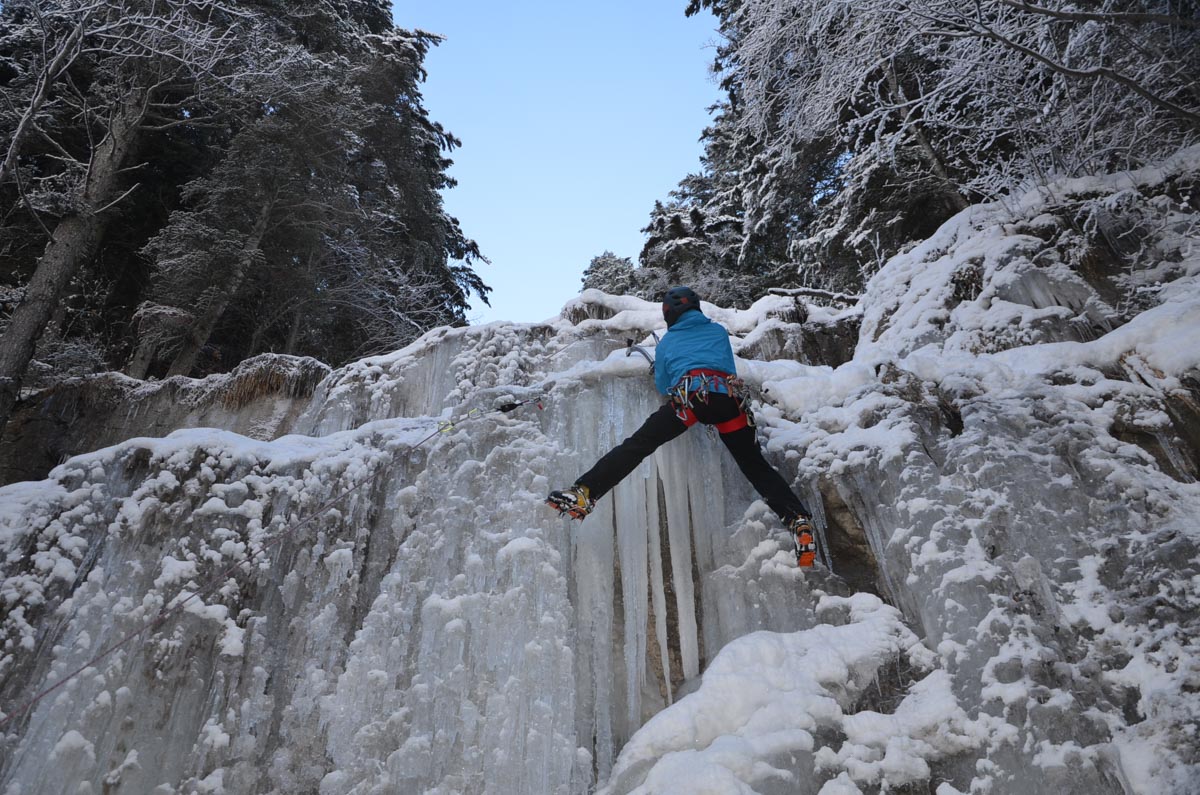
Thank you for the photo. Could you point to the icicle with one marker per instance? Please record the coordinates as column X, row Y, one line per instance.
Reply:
column 594, row 584
column 679, row 538
column 816, row 506
column 632, row 531
column 658, row 591
column 705, row 488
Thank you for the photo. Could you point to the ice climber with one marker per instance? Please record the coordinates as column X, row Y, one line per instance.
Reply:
column 694, row 368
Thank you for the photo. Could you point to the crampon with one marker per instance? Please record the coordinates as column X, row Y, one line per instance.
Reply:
column 574, row 502
column 806, row 544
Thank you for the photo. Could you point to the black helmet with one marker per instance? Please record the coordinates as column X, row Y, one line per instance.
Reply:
column 677, row 301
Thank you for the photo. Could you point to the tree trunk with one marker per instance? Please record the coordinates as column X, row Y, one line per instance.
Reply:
column 927, row 151
column 266, row 322
column 75, row 240
column 294, row 332
column 211, row 314
column 256, row 337
column 142, row 358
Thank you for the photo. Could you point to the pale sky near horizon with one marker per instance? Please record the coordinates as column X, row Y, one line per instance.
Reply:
column 574, row 119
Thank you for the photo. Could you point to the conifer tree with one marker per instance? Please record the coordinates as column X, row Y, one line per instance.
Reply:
column 328, row 216
column 88, row 81
column 854, row 128
column 189, row 182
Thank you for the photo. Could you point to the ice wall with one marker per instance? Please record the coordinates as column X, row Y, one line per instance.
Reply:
column 1008, row 462
column 438, row 629
column 1029, row 491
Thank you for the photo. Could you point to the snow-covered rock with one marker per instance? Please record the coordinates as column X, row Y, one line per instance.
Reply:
column 1005, row 479
column 260, row 398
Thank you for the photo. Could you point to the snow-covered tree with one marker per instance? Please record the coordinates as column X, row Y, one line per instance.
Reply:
column 259, row 195
column 88, row 80
column 235, row 177
column 857, row 127
column 610, row 273
column 322, row 231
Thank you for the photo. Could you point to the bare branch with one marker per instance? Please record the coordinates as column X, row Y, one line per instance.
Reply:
column 1093, row 73
column 67, row 51
column 117, row 200
column 1116, row 17
column 29, row 205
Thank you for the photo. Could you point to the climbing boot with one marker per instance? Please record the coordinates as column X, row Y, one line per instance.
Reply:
column 575, row 502
column 806, row 542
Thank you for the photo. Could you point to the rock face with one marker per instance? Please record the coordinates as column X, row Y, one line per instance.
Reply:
column 1002, row 463
column 261, row 399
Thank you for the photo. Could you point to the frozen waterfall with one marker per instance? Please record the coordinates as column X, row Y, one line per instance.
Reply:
column 1003, row 464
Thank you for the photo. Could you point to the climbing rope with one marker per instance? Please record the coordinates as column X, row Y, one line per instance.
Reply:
column 445, row 426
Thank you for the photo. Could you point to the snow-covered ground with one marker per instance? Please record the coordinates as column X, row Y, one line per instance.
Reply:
column 1005, row 482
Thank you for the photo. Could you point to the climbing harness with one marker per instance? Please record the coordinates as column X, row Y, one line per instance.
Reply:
column 697, row 385
column 216, row 582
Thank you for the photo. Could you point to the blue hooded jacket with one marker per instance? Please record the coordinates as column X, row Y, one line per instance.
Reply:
column 694, row 342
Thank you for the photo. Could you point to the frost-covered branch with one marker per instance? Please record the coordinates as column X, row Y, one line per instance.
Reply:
column 1117, row 17
column 853, row 128
column 57, row 57
column 978, row 27
column 812, row 292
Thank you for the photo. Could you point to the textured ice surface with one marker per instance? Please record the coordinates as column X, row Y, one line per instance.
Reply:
column 1008, row 462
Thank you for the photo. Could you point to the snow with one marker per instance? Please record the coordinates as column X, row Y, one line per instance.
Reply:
column 175, row 571
column 772, row 692
column 1004, row 488
column 72, row 742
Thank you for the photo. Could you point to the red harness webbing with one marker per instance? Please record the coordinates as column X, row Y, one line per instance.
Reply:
column 728, row 426
column 735, row 424
column 705, row 371
column 689, row 418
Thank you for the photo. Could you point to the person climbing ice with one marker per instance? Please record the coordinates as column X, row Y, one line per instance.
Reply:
column 694, row 368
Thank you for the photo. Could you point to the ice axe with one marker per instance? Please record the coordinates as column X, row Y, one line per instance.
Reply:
column 630, row 349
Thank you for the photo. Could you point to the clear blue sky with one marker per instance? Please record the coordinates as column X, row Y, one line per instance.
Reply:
column 574, row 118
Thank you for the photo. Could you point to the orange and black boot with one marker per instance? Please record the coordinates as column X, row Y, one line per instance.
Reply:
column 575, row 502
column 806, row 542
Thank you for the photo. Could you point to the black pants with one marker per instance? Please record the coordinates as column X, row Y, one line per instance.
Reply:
column 663, row 425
